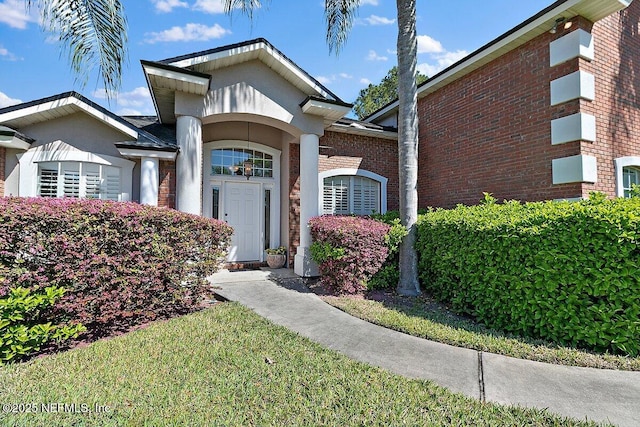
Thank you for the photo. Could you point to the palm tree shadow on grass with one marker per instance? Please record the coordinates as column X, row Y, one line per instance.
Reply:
column 427, row 308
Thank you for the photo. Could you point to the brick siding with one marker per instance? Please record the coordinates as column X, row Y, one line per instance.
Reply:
column 167, row 188
column 617, row 105
column 490, row 131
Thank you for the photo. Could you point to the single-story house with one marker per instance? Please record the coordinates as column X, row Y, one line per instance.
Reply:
column 549, row 110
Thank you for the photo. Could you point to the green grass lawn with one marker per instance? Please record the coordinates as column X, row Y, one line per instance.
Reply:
column 227, row 366
column 424, row 318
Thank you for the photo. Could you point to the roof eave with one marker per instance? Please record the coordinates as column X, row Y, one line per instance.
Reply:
column 328, row 109
column 74, row 100
column 364, row 131
column 162, row 76
column 256, row 49
column 519, row 35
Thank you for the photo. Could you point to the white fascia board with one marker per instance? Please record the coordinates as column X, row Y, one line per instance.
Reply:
column 71, row 100
column 544, row 19
column 376, row 133
column 13, row 142
column 259, row 48
column 174, row 75
column 325, row 109
column 295, row 70
column 154, row 154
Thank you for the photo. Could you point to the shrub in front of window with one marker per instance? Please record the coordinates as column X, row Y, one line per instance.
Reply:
column 349, row 250
column 560, row 271
column 22, row 329
column 121, row 263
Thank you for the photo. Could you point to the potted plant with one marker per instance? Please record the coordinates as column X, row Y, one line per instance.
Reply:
column 276, row 257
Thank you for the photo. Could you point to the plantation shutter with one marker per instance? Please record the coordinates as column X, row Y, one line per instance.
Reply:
column 336, row 196
column 630, row 176
column 344, row 195
column 71, row 180
column 91, row 173
column 76, row 179
column 111, row 183
column 366, row 196
column 48, row 181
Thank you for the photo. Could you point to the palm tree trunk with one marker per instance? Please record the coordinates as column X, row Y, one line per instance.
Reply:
column 408, row 143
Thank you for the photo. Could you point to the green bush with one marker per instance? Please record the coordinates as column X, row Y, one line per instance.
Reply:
column 561, row 271
column 348, row 250
column 389, row 274
column 21, row 330
column 121, row 263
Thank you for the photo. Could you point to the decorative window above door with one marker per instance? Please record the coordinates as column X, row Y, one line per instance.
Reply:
column 229, row 161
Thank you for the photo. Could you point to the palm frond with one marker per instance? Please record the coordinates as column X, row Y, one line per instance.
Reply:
column 245, row 6
column 94, row 32
column 339, row 15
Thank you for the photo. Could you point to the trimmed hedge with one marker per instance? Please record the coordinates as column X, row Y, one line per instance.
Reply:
column 349, row 250
column 120, row 264
column 565, row 272
column 388, row 276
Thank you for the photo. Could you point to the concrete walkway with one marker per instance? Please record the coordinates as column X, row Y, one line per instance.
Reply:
column 599, row 395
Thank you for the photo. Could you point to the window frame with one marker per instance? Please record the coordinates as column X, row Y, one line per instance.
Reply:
column 349, row 172
column 60, row 151
column 621, row 164
column 83, row 178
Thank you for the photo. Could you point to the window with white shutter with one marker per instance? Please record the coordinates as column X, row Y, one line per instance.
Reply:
column 343, row 195
column 79, row 180
column 630, row 177
column 48, row 182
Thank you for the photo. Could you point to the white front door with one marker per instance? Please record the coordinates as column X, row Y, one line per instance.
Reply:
column 242, row 211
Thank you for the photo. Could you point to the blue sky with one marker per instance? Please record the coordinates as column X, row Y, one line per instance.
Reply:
column 33, row 65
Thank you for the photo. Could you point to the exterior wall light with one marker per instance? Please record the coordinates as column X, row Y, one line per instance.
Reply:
column 559, row 21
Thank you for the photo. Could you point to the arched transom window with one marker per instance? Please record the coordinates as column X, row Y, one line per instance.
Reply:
column 229, row 161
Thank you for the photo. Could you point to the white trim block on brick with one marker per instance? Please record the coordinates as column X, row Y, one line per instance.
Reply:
column 576, row 127
column 578, row 85
column 580, row 168
column 576, row 44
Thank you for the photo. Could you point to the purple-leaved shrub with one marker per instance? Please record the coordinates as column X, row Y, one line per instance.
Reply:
column 349, row 250
column 121, row 263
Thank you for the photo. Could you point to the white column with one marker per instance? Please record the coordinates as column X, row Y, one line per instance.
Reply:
column 149, row 181
column 309, row 207
column 189, row 165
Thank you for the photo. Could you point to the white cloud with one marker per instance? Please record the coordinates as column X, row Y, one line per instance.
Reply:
column 8, row 56
column 210, row 6
column 375, row 20
column 325, row 80
column 373, row 56
column 15, row 14
column 365, row 81
column 166, row 6
column 5, row 101
column 442, row 61
column 136, row 102
column 369, row 2
column 190, row 32
column 427, row 44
